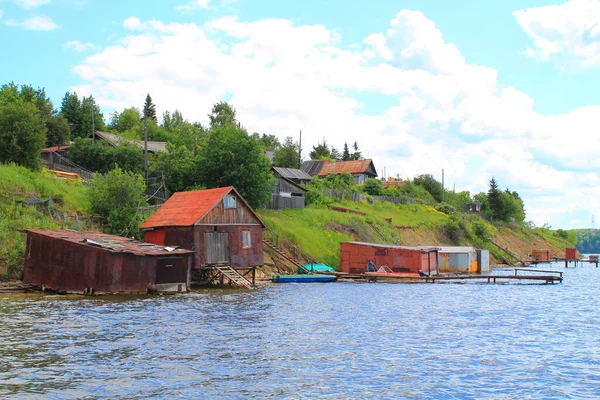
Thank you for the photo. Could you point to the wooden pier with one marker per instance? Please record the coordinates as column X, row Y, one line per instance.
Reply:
column 543, row 276
column 576, row 261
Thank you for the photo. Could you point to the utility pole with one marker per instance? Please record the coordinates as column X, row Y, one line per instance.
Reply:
column 146, row 145
column 93, row 129
column 300, row 150
column 443, row 189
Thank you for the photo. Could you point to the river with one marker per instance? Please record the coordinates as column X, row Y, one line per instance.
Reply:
column 332, row 340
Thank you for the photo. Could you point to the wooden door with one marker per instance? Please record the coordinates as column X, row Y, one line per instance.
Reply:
column 216, row 245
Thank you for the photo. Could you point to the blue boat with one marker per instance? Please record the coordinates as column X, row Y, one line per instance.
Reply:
column 303, row 278
column 314, row 267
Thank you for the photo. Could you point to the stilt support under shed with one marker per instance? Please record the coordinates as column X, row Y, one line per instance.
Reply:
column 224, row 274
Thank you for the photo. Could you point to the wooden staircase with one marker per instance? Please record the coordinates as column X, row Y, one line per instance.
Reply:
column 234, row 276
column 283, row 255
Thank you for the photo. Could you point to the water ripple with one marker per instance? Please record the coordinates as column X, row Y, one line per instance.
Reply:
column 332, row 341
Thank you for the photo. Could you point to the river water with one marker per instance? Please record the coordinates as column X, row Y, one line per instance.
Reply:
column 333, row 340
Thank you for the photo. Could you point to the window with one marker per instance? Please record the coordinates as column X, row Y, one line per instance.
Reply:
column 230, row 202
column 246, row 239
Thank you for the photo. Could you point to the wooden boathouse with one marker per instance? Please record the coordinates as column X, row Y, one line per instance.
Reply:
column 219, row 225
column 92, row 263
column 354, row 257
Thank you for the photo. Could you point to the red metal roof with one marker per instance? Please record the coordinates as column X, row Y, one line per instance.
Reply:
column 185, row 208
column 339, row 167
column 111, row 243
column 55, row 148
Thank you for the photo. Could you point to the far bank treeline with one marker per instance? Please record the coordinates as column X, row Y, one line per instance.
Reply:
column 220, row 154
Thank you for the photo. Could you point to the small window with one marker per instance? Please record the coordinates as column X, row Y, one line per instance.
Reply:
column 246, row 239
column 230, row 202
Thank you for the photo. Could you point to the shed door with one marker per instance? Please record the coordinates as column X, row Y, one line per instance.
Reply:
column 217, row 247
column 171, row 270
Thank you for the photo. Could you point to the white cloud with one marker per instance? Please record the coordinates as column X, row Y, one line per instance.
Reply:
column 78, row 46
column 194, row 4
column 439, row 112
column 30, row 4
column 566, row 31
column 37, row 23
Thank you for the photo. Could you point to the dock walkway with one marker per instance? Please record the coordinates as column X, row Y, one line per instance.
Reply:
column 544, row 276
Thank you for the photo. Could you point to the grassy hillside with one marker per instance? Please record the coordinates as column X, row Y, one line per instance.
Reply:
column 317, row 232
column 65, row 210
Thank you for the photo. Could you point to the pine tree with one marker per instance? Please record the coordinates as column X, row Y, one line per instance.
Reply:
column 149, row 109
column 320, row 151
column 495, row 201
column 357, row 155
column 346, row 153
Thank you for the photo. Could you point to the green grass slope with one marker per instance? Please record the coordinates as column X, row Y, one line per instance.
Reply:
column 317, row 232
column 67, row 209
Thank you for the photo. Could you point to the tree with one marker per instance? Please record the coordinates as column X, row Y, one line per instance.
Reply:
column 513, row 205
column 149, row 109
column 178, row 166
column 22, row 134
column 125, row 120
column 287, row 155
column 431, row 185
column 268, row 142
column 71, row 110
column 89, row 108
column 101, row 157
column 346, row 153
column 115, row 197
column 320, row 151
column 95, row 156
column 335, row 154
column 222, row 114
column 128, row 157
column 172, row 122
column 231, row 157
column 495, row 202
column 373, row 187
column 57, row 128
column 357, row 155
column 58, row 131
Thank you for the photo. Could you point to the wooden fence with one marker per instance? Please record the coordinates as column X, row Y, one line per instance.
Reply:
column 280, row 202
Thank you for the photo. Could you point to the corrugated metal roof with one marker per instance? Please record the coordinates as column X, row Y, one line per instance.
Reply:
column 185, row 208
column 111, row 243
column 352, row 167
column 55, row 148
column 292, row 173
column 456, row 249
column 114, row 140
column 395, row 246
column 312, row 167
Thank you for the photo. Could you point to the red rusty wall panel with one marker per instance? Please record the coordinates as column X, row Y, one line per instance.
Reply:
column 68, row 266
column 355, row 256
column 156, row 236
column 571, row 253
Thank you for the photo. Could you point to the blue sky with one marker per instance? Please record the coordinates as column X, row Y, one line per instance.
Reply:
column 479, row 88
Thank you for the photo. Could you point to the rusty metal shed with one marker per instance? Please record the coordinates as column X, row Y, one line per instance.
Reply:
column 455, row 259
column 354, row 257
column 92, row 263
column 540, row 256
